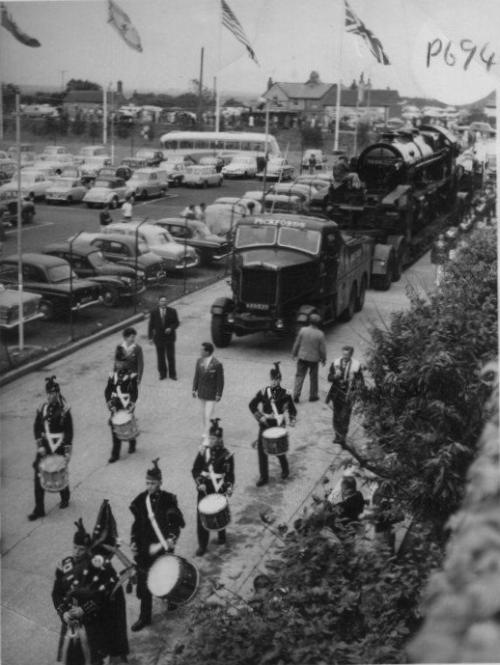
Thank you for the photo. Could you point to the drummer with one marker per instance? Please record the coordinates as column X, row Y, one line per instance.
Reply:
column 268, row 408
column 155, row 530
column 213, row 473
column 53, row 430
column 121, row 393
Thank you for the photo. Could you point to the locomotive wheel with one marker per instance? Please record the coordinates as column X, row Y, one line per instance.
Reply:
column 348, row 313
column 360, row 300
column 221, row 335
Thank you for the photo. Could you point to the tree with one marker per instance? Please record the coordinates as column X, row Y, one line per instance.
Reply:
column 9, row 92
column 80, row 84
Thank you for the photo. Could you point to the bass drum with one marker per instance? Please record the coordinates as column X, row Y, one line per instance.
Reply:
column 173, row 578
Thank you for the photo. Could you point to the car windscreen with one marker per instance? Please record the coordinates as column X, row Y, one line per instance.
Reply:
column 60, row 273
column 306, row 240
column 252, row 236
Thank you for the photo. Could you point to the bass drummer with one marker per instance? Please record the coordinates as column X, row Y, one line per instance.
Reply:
column 157, row 524
column 53, row 431
column 268, row 408
column 213, row 473
column 121, row 393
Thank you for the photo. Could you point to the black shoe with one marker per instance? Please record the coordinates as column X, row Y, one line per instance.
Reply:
column 174, row 378
column 162, row 378
column 131, row 449
column 261, row 482
column 313, row 399
column 64, row 504
column 296, row 400
column 200, row 551
column 285, row 474
column 113, row 459
column 35, row 515
column 221, row 540
column 139, row 625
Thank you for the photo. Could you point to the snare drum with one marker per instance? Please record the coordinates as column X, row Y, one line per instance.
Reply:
column 275, row 441
column 124, row 425
column 173, row 578
column 53, row 472
column 214, row 512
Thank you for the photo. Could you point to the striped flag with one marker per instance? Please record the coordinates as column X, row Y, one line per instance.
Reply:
column 230, row 21
column 122, row 23
column 10, row 25
column 357, row 27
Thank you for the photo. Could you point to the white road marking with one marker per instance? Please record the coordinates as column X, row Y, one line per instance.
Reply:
column 30, row 228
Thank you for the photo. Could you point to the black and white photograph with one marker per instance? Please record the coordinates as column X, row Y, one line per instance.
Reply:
column 249, row 332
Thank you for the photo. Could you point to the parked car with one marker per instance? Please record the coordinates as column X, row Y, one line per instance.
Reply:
column 55, row 153
column 482, row 127
column 210, row 160
column 34, row 184
column 88, row 152
column 133, row 163
column 222, row 219
column 319, row 157
column 242, row 201
column 278, row 168
column 283, row 203
column 175, row 257
column 293, row 189
column 91, row 167
column 9, row 307
column 316, row 181
column 8, row 208
column 202, row 176
column 121, row 171
column 176, row 166
column 106, row 190
column 148, row 182
column 124, row 251
column 50, row 277
column 65, row 190
column 7, row 165
column 240, row 167
column 27, row 153
column 116, row 281
column 196, row 234
column 151, row 156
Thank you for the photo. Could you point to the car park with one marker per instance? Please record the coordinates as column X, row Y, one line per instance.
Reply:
column 176, row 166
column 52, row 278
column 91, row 167
column 8, row 208
column 9, row 307
column 202, row 176
column 65, row 190
column 125, row 251
column 175, row 257
column 278, row 168
column 133, row 163
column 148, row 182
column 90, row 151
column 111, row 191
column 120, row 171
column 34, row 184
column 116, row 281
column 196, row 234
column 151, row 156
column 240, row 166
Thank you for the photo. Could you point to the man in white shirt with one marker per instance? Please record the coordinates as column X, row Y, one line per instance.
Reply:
column 127, row 209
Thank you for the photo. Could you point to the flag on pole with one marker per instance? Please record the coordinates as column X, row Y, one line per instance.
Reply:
column 230, row 21
column 354, row 25
column 121, row 21
column 10, row 25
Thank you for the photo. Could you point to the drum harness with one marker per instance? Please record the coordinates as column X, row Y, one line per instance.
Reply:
column 156, row 528
column 54, row 439
column 216, row 478
column 277, row 416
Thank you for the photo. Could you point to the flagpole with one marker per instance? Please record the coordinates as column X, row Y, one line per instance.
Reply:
column 104, row 115
column 219, row 59
column 339, row 79
column 19, row 225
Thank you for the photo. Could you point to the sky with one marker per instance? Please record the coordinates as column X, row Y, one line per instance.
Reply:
column 290, row 38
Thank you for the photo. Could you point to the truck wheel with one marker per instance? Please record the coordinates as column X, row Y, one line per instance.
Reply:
column 383, row 282
column 221, row 336
column 110, row 296
column 360, row 299
column 351, row 307
column 47, row 309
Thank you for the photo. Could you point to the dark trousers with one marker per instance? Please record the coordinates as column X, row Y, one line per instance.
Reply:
column 167, row 351
column 117, row 445
column 342, row 408
column 204, row 534
column 264, row 461
column 40, row 494
column 302, row 367
column 144, row 594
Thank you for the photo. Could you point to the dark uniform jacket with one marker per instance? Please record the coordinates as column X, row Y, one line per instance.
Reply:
column 126, row 384
column 222, row 463
column 283, row 401
column 168, row 516
column 56, row 418
column 157, row 328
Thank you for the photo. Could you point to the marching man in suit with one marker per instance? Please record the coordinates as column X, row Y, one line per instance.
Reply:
column 346, row 375
column 213, row 472
column 163, row 322
column 208, row 384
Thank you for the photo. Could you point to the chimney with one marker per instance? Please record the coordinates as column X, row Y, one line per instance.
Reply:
column 119, row 87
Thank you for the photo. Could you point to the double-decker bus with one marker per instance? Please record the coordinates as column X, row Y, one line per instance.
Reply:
column 249, row 143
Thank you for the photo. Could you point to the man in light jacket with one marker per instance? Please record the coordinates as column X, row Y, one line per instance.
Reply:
column 208, row 384
column 310, row 350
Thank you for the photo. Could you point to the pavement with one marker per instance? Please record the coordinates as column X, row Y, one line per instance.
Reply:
column 170, row 424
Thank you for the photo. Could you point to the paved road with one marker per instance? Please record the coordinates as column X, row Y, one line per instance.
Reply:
column 170, row 428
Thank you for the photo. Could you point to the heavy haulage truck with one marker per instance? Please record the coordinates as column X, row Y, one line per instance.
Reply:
column 400, row 186
column 284, row 267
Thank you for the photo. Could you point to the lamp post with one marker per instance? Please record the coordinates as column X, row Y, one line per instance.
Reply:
column 71, row 241
column 266, row 155
column 136, row 258
column 19, row 225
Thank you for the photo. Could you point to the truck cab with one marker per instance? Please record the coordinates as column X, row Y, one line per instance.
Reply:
column 284, row 266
